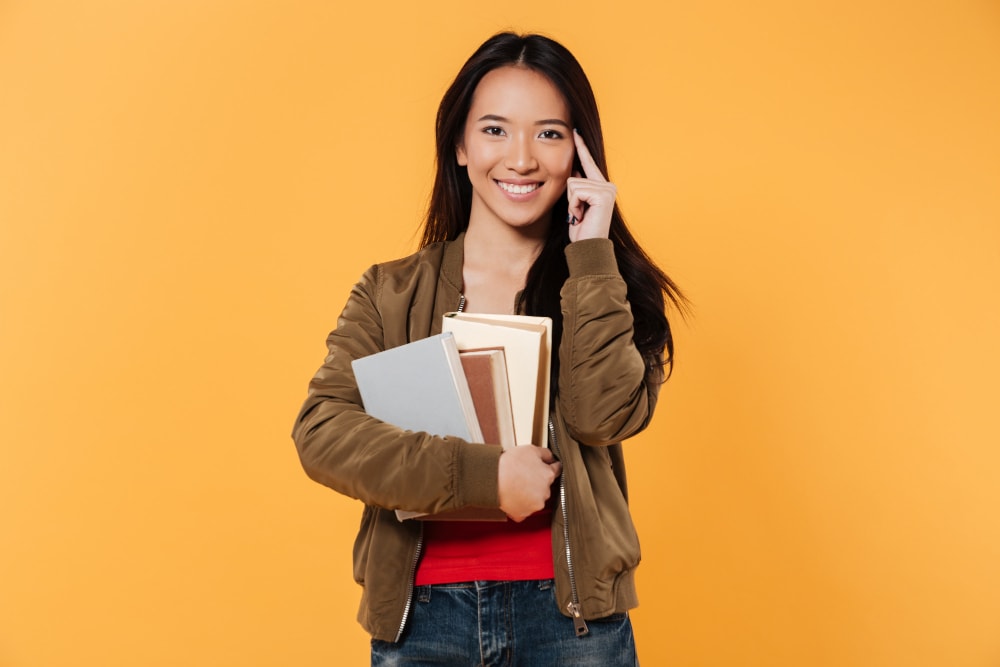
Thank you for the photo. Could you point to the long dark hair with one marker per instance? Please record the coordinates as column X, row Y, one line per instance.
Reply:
column 451, row 198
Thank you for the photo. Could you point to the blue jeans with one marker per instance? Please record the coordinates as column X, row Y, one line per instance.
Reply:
column 508, row 623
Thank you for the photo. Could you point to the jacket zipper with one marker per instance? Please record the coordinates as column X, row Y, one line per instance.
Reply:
column 579, row 624
column 409, row 583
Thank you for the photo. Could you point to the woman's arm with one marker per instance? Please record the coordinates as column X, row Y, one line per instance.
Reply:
column 342, row 447
column 604, row 392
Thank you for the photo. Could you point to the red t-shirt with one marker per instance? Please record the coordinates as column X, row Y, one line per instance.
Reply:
column 456, row 551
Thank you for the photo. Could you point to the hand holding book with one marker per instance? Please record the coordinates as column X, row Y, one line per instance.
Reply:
column 525, row 480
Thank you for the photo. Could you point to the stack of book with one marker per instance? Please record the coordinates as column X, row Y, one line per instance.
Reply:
column 484, row 379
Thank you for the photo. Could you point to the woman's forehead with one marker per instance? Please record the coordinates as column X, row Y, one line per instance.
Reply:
column 521, row 91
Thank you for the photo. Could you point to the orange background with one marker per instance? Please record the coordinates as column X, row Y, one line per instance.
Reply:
column 188, row 190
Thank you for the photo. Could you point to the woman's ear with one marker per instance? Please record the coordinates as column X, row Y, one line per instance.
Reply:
column 460, row 156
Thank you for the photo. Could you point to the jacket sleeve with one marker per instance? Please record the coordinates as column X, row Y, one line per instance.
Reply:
column 605, row 393
column 380, row 464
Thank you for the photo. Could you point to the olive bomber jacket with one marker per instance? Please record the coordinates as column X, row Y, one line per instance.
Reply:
column 604, row 396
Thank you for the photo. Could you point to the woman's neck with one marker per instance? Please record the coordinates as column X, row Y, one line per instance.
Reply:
column 496, row 265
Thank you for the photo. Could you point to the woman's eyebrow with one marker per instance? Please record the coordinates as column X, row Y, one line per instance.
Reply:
column 501, row 119
column 552, row 121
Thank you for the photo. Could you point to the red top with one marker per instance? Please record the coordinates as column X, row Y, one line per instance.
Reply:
column 457, row 551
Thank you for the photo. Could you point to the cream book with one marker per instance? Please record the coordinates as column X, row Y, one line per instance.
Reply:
column 527, row 344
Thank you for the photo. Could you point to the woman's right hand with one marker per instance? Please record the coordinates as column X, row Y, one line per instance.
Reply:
column 525, row 479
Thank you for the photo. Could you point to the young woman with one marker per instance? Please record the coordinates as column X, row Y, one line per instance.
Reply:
column 521, row 220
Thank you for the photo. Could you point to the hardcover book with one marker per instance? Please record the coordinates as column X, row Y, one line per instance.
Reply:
column 486, row 373
column 527, row 345
column 419, row 386
column 422, row 386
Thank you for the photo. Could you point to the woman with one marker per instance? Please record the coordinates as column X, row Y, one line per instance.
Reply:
column 522, row 219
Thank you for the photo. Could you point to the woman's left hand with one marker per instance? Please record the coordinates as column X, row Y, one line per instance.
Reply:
column 591, row 198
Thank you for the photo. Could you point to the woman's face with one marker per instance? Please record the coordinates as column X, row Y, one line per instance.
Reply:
column 518, row 148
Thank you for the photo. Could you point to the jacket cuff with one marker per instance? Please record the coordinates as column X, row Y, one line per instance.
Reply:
column 477, row 475
column 591, row 257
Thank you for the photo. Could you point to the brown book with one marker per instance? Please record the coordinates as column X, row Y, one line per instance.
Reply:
column 486, row 373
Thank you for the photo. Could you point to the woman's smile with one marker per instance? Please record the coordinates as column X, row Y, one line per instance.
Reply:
column 518, row 189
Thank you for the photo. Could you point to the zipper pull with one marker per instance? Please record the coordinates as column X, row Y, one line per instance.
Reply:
column 579, row 624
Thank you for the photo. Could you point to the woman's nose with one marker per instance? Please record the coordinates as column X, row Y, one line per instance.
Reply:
column 520, row 157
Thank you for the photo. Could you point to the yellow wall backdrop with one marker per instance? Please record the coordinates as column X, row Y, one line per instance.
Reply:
column 188, row 189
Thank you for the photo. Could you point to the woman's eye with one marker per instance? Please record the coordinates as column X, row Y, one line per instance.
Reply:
column 493, row 131
column 551, row 134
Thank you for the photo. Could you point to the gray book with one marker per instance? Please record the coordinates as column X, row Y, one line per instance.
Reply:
column 419, row 386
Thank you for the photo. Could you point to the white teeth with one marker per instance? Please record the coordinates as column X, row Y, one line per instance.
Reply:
column 518, row 189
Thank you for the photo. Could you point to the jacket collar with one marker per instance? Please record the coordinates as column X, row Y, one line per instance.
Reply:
column 451, row 264
column 450, row 282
